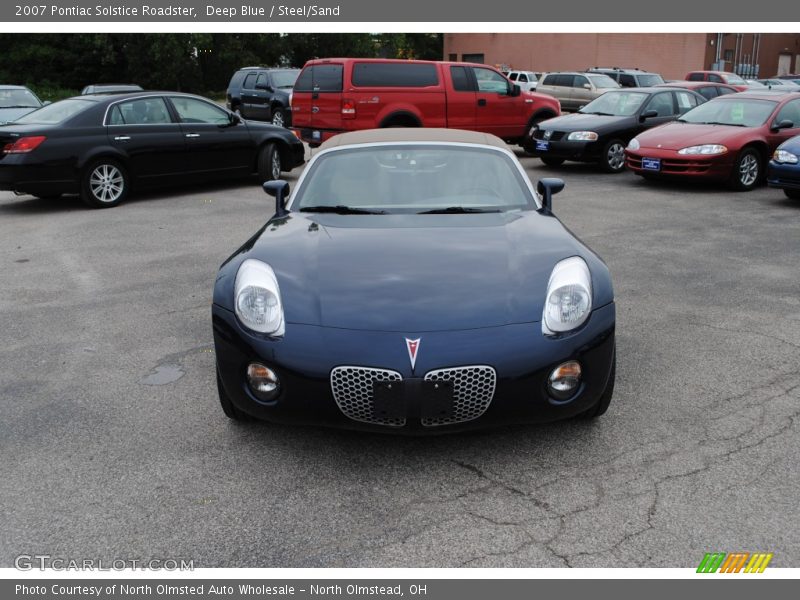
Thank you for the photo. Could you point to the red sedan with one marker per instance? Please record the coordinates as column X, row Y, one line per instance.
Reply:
column 728, row 139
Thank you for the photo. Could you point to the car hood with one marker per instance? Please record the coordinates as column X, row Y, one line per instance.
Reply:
column 411, row 273
column 584, row 122
column 674, row 136
column 8, row 115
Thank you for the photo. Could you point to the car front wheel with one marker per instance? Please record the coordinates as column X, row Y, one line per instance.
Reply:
column 279, row 117
column 613, row 158
column 104, row 184
column 269, row 163
column 747, row 170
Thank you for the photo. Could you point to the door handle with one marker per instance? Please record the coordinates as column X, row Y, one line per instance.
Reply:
column 192, row 135
column 482, row 102
column 122, row 138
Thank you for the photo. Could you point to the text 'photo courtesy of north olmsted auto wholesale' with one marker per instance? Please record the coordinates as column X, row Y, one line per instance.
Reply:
column 504, row 298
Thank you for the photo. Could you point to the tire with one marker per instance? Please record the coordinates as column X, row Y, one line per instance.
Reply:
column 602, row 405
column 104, row 183
column 228, row 407
column 613, row 158
column 747, row 170
column 552, row 162
column 269, row 163
column 792, row 194
column 279, row 117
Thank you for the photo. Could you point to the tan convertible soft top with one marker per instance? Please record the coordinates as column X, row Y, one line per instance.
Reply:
column 413, row 134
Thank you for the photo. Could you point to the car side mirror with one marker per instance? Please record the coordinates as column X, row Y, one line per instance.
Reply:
column 785, row 124
column 515, row 90
column 587, row 86
column 546, row 187
column 264, row 86
column 648, row 114
column 278, row 189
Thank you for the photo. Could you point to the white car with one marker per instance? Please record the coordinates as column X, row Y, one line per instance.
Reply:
column 526, row 80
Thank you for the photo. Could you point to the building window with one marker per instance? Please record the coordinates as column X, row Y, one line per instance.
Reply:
column 452, row 57
column 473, row 58
column 728, row 56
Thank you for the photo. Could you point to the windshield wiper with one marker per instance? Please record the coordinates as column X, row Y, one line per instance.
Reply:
column 720, row 123
column 19, row 106
column 457, row 210
column 602, row 114
column 341, row 209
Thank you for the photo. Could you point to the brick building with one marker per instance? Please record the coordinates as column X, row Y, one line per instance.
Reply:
column 671, row 54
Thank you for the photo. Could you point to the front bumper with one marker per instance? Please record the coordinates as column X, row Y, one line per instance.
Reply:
column 674, row 165
column 783, row 176
column 521, row 356
column 577, row 151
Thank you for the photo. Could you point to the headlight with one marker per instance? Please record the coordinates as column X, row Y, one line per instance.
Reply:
column 569, row 296
column 257, row 299
column 582, row 136
column 633, row 144
column 782, row 156
column 704, row 149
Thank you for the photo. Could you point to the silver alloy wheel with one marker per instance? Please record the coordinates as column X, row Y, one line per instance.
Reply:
column 277, row 118
column 616, row 156
column 276, row 164
column 748, row 170
column 107, row 183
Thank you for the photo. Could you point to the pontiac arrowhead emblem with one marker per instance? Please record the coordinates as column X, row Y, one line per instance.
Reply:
column 412, row 346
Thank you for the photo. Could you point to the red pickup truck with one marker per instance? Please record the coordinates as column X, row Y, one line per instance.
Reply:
column 348, row 94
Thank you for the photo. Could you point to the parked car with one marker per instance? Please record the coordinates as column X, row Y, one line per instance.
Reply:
column 16, row 101
column 731, row 79
column 778, row 81
column 262, row 93
column 708, row 89
column 783, row 171
column 574, row 89
column 599, row 131
column 629, row 77
column 102, row 146
column 795, row 78
column 335, row 95
column 726, row 139
column 778, row 85
column 111, row 88
column 526, row 80
column 415, row 282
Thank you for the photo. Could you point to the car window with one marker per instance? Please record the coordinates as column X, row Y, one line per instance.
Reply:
column 512, row 76
column 144, row 111
column 408, row 178
column 790, row 112
column 551, row 80
column 627, row 80
column 686, row 101
column 262, row 79
column 725, row 90
column 58, row 112
column 696, row 77
column 320, row 78
column 734, row 79
column 708, row 92
column 284, row 79
column 461, row 82
column 18, row 98
column 380, row 74
column 715, row 78
column 192, row 110
column 622, row 103
column 650, row 79
column 249, row 81
column 603, row 82
column 490, row 81
column 523, row 78
column 578, row 81
column 662, row 104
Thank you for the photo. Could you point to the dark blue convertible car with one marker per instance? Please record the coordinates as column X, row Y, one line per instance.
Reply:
column 784, row 170
column 414, row 282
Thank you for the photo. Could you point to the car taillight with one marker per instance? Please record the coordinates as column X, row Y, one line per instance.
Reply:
column 348, row 109
column 24, row 145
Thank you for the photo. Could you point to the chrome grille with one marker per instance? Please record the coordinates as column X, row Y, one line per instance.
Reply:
column 473, row 390
column 352, row 391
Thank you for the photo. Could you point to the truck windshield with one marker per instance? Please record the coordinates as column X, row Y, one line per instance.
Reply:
column 410, row 178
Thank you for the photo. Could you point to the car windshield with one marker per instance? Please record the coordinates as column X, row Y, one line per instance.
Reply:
column 58, row 112
column 731, row 111
column 735, row 79
column 285, row 79
column 650, row 80
column 603, row 81
column 16, row 98
column 411, row 178
column 616, row 104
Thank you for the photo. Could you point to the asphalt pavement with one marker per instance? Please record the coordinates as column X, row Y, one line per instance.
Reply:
column 114, row 446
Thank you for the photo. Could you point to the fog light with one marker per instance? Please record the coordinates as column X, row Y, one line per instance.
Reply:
column 564, row 380
column 263, row 382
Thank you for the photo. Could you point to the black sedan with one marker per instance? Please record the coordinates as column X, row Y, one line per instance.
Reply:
column 599, row 131
column 415, row 282
column 103, row 146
